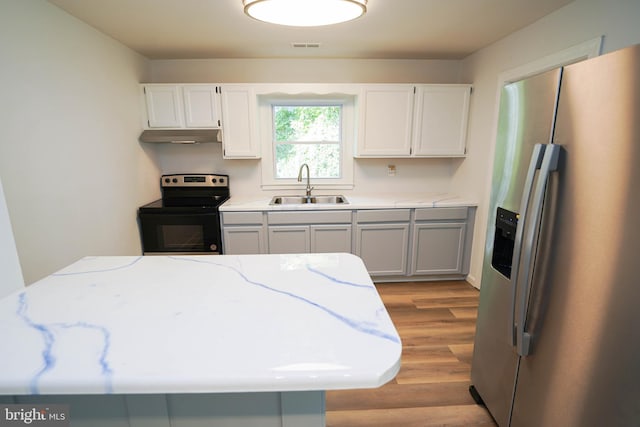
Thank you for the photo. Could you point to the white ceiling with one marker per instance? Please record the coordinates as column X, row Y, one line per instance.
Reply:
column 391, row 29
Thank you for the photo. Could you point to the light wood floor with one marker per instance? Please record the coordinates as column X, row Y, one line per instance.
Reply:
column 436, row 322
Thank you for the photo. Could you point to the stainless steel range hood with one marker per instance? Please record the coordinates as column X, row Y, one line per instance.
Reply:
column 181, row 136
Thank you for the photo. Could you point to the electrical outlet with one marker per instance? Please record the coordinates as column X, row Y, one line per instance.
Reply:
column 391, row 170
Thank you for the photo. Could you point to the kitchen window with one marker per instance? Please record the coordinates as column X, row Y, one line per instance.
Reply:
column 307, row 134
column 314, row 129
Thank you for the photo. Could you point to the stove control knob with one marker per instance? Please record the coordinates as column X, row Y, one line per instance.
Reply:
column 174, row 180
column 214, row 180
column 221, row 180
column 167, row 180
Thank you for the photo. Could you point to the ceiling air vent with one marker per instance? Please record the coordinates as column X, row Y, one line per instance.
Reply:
column 305, row 45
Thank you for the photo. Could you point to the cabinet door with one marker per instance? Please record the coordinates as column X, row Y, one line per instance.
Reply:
column 243, row 240
column 201, row 106
column 440, row 120
column 330, row 238
column 164, row 106
column 289, row 239
column 438, row 248
column 240, row 135
column 383, row 248
column 385, row 121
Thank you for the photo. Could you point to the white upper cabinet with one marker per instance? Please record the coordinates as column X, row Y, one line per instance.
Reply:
column 385, row 120
column 176, row 106
column 239, row 109
column 440, row 119
column 403, row 120
column 164, row 106
column 201, row 106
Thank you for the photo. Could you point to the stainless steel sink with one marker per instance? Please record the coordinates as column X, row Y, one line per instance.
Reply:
column 303, row 200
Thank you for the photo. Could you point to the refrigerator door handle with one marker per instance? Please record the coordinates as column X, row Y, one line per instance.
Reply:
column 549, row 164
column 534, row 165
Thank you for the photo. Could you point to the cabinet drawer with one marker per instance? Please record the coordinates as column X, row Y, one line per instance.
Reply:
column 431, row 214
column 384, row 215
column 317, row 217
column 241, row 218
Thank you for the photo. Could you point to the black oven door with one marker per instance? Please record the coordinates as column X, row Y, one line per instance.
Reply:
column 180, row 233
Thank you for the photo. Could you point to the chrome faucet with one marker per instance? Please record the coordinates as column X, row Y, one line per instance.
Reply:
column 309, row 187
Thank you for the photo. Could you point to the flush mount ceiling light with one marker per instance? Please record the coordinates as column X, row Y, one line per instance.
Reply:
column 305, row 13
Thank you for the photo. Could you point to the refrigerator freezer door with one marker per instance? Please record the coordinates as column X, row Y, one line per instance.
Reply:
column 583, row 316
column 527, row 111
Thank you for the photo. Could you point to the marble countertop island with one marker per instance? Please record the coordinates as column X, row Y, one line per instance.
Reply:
column 198, row 324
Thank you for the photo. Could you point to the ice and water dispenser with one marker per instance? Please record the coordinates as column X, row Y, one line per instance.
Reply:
column 503, row 241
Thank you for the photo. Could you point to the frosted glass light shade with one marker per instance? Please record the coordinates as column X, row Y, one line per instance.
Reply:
column 305, row 13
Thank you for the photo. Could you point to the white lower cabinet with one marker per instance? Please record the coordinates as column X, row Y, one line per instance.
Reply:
column 244, row 240
column 309, row 232
column 324, row 238
column 438, row 248
column 441, row 244
column 382, row 240
column 327, row 238
column 243, row 233
column 289, row 239
column 395, row 244
column 230, row 409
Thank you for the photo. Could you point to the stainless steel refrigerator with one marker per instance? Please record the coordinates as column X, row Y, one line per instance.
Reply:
column 558, row 334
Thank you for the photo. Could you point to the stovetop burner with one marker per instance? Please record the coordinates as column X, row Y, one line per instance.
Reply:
column 194, row 190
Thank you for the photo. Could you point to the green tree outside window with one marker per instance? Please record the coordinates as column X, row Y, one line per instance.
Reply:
column 307, row 134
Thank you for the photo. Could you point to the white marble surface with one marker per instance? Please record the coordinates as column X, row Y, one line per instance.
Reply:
column 377, row 201
column 196, row 324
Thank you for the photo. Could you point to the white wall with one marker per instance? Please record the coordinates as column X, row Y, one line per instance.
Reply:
column 11, row 279
column 72, row 168
column 370, row 175
column 304, row 71
column 577, row 22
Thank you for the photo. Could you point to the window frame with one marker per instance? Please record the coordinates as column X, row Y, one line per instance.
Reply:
column 306, row 103
column 266, row 103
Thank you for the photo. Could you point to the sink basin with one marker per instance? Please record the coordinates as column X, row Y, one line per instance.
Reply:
column 303, row 200
column 334, row 200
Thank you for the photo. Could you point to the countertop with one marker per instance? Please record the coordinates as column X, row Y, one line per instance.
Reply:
column 378, row 201
column 198, row 324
